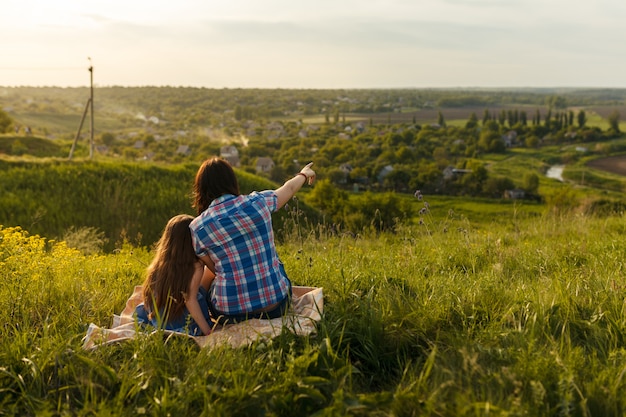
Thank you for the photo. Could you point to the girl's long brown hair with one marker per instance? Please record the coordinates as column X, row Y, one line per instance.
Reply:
column 170, row 272
column 214, row 178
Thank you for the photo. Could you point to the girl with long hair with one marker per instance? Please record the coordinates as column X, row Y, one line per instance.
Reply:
column 176, row 283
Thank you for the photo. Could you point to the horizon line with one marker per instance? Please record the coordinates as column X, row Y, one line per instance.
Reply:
column 326, row 88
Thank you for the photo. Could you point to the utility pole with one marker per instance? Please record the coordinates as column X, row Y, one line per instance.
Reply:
column 88, row 106
column 82, row 120
column 91, row 109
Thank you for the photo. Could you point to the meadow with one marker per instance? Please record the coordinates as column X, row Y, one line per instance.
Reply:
column 470, row 307
column 519, row 313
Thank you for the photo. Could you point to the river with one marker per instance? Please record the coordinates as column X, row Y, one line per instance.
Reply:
column 556, row 172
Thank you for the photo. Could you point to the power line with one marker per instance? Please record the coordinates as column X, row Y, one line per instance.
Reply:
column 40, row 68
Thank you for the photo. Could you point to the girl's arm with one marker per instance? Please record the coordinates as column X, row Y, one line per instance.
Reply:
column 207, row 277
column 191, row 301
column 291, row 187
column 206, row 260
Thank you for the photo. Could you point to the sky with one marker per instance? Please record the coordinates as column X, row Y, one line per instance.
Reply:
column 314, row 44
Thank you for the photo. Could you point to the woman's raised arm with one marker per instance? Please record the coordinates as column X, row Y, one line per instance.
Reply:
column 291, row 186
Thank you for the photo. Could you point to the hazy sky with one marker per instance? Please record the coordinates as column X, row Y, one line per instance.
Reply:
column 314, row 43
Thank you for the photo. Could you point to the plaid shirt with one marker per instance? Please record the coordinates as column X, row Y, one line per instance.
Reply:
column 236, row 232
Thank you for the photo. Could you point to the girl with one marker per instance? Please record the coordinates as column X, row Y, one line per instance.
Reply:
column 176, row 283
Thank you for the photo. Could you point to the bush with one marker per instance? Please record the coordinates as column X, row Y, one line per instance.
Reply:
column 88, row 240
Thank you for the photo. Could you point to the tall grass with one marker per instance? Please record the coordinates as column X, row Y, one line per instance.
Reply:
column 444, row 318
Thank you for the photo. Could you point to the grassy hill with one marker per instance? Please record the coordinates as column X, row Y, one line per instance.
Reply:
column 124, row 201
column 32, row 146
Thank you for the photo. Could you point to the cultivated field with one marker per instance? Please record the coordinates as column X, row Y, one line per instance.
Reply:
column 613, row 164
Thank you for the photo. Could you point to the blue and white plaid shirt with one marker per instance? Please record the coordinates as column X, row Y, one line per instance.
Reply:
column 236, row 232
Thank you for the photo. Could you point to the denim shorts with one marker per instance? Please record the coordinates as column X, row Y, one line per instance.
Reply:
column 183, row 324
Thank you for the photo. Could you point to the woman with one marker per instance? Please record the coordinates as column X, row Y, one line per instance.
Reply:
column 233, row 236
column 176, row 283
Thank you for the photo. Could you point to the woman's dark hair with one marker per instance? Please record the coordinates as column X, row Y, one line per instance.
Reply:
column 214, row 178
column 170, row 272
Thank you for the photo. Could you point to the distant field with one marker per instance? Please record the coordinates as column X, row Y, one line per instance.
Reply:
column 596, row 116
column 613, row 164
column 65, row 125
column 423, row 116
column 456, row 116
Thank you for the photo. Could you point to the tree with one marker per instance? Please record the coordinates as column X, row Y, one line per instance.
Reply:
column 510, row 118
column 531, row 141
column 337, row 176
column 472, row 122
column 5, row 122
column 278, row 174
column 238, row 112
column 472, row 183
column 398, row 179
column 490, row 139
column 428, row 177
column 496, row 186
column 404, row 154
column 523, row 118
column 556, row 102
column 329, row 199
column 379, row 211
column 486, row 116
column 613, row 119
column 582, row 119
column 502, row 117
column 548, row 119
column 440, row 120
column 107, row 138
column 531, row 183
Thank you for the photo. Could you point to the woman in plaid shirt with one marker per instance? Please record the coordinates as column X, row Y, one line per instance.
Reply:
column 233, row 236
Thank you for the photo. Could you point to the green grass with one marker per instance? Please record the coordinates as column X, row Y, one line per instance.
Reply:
column 595, row 120
column 499, row 314
column 31, row 146
column 66, row 125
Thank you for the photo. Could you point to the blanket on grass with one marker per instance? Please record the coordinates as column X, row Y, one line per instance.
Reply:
column 306, row 309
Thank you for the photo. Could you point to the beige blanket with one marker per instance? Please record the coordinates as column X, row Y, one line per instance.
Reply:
column 306, row 309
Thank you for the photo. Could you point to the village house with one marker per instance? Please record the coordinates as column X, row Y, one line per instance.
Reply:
column 231, row 154
column 510, row 138
column 183, row 150
column 515, row 194
column 274, row 130
column 451, row 172
column 384, row 172
column 346, row 169
column 264, row 164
